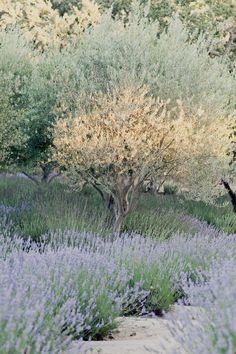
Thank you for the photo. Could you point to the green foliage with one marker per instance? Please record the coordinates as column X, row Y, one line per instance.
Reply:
column 40, row 115
column 118, row 6
column 152, row 218
column 15, row 72
column 51, row 207
column 220, row 216
column 215, row 18
column 112, row 55
column 46, row 84
column 64, row 6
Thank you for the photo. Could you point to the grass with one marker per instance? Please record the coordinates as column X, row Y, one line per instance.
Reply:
column 51, row 207
column 40, row 209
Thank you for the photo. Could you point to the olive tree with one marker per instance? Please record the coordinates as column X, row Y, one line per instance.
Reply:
column 47, row 84
column 129, row 136
column 232, row 164
column 29, row 84
column 215, row 18
column 113, row 55
column 15, row 73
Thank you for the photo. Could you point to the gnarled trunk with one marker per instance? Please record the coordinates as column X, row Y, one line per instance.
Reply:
column 46, row 174
column 125, row 198
column 119, row 221
column 46, row 177
column 122, row 199
column 106, row 197
column 231, row 194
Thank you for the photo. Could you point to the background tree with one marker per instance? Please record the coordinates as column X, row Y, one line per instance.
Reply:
column 47, row 86
column 50, row 82
column 58, row 22
column 214, row 18
column 29, row 89
column 112, row 54
column 43, row 25
column 232, row 165
column 15, row 73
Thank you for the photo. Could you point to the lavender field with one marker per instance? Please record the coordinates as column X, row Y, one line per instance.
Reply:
column 70, row 285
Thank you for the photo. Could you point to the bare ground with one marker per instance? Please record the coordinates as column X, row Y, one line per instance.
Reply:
column 143, row 335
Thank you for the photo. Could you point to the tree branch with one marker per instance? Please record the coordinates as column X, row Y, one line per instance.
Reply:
column 50, row 179
column 33, row 179
column 230, row 192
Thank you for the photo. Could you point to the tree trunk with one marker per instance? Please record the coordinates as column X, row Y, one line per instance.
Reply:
column 124, row 200
column 118, row 224
column 231, row 194
column 46, row 173
column 47, row 177
column 110, row 202
column 106, row 197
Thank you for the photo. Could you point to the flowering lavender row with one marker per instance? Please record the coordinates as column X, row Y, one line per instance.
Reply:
column 47, row 297
column 215, row 293
column 74, row 285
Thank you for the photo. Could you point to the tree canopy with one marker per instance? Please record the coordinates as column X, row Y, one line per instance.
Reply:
column 43, row 25
column 130, row 69
column 15, row 73
column 129, row 136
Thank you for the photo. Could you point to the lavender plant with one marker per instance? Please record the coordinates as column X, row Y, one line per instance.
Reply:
column 47, row 298
column 215, row 293
column 212, row 293
column 74, row 285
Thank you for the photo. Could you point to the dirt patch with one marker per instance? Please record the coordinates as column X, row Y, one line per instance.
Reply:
column 143, row 335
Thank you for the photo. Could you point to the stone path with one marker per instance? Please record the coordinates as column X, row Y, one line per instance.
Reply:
column 143, row 335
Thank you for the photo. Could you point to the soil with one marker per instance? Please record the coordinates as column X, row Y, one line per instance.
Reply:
column 143, row 335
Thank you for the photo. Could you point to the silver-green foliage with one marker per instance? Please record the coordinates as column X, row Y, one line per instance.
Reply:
column 46, row 89
column 15, row 71
column 112, row 55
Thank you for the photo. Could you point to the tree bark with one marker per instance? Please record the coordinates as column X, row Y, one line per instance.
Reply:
column 99, row 191
column 118, row 224
column 231, row 194
column 32, row 178
column 46, row 178
column 109, row 202
column 46, row 173
column 52, row 176
column 125, row 199
column 106, row 197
